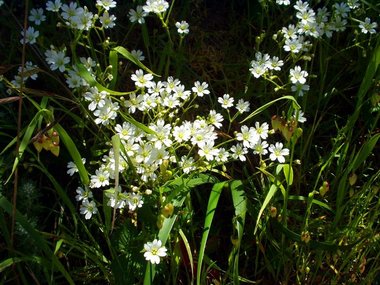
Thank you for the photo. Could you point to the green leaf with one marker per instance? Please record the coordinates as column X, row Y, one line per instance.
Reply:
column 364, row 152
column 268, row 198
column 288, row 173
column 265, row 106
column 114, row 62
column 74, row 153
column 240, row 204
column 210, row 212
column 87, row 76
column 124, row 52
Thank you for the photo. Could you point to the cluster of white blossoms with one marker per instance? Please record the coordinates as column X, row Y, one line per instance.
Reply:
column 182, row 146
column 297, row 38
column 73, row 16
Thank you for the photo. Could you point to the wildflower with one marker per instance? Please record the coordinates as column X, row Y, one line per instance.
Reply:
column 275, row 63
column 248, row 136
column 171, row 84
column 208, row 151
column 260, row 148
column 74, row 80
column 278, row 152
column 181, row 133
column 222, row 155
column 106, row 4
column 142, row 80
column 200, row 89
column 100, row 179
column 367, row 26
column 226, row 101
column 182, row 27
column 156, row 6
column 57, row 60
column 69, row 11
column 125, row 131
column 262, row 130
column 215, row 119
column 53, row 6
column 293, row 45
column 154, row 251
column 301, row 6
column 187, row 164
column 82, row 20
column 106, row 113
column 83, row 194
column 72, row 167
column 298, row 75
column 341, row 9
column 258, row 69
column 339, row 24
column 107, row 21
column 239, row 152
column 37, row 16
column 301, row 117
column 29, row 35
column 138, row 54
column 30, row 70
column 242, row 106
column 289, row 32
column 134, row 201
column 283, row 2
column 137, row 15
column 97, row 99
column 88, row 209
column 299, row 88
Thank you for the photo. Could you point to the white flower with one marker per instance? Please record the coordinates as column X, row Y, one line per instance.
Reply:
column 262, row 130
column 239, row 152
column 341, row 9
column 138, row 54
column 293, row 45
column 100, row 179
column 156, row 6
column 29, row 36
column 83, row 194
column 134, row 201
column 275, row 63
column 242, row 106
column 367, row 26
column 106, row 113
column 208, row 151
column 141, row 79
column 106, row 4
column 200, row 89
column 137, row 15
column 215, row 119
column 278, row 152
column 226, row 101
column 299, row 88
column 298, row 75
column 107, row 21
column 88, row 209
column 187, row 164
column 57, row 60
column 72, row 167
column 154, row 251
column 37, row 16
column 182, row 27
column 301, row 117
column 97, row 99
column 53, row 6
column 248, row 136
column 283, row 2
column 260, row 148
